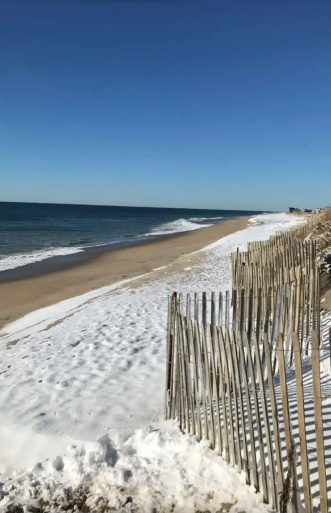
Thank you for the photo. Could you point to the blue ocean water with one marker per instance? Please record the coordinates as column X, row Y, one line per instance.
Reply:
column 31, row 232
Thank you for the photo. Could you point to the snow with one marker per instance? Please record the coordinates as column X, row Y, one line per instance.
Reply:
column 157, row 469
column 93, row 366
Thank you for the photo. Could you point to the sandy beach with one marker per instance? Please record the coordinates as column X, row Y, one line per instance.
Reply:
column 22, row 296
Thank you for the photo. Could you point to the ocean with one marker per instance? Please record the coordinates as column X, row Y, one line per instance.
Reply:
column 34, row 232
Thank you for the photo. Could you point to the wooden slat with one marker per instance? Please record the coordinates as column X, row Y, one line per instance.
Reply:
column 234, row 404
column 318, row 302
column 188, row 306
column 215, row 394
column 188, row 375
column 190, row 330
column 181, row 303
column 196, row 306
column 266, row 422
column 227, row 309
column 257, row 418
column 170, row 355
column 204, row 309
column 242, row 425
column 175, row 369
column 180, row 409
column 220, row 309
column 222, row 385
column 234, row 310
column 242, row 365
column 319, row 421
column 227, row 393
column 209, row 398
column 197, row 337
column 185, row 422
column 275, row 421
column 302, row 423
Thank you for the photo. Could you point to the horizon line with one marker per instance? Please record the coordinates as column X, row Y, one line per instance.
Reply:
column 134, row 206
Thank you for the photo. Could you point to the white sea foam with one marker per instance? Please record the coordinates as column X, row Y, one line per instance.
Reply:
column 14, row 261
column 180, row 225
column 202, row 219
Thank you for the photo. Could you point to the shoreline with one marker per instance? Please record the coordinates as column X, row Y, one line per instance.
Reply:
column 44, row 285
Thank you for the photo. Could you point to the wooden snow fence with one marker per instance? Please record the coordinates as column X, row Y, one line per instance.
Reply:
column 227, row 382
column 244, row 371
column 272, row 263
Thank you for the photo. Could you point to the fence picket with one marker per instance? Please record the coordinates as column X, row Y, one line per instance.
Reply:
column 202, row 379
column 242, row 364
column 188, row 375
column 169, row 357
column 227, row 394
column 222, row 386
column 278, row 451
column 242, row 425
column 215, row 390
column 190, row 330
column 185, row 423
column 234, row 405
column 319, row 421
column 220, row 309
column 263, row 394
column 207, row 371
column 302, row 423
column 257, row 419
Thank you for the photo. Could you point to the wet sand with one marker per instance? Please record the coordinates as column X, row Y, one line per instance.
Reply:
column 19, row 297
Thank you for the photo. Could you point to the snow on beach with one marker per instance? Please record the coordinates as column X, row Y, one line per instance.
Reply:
column 92, row 367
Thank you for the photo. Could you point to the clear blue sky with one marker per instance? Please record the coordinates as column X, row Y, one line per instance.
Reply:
column 202, row 103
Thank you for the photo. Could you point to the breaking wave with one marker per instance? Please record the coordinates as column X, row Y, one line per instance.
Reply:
column 202, row 219
column 180, row 225
column 14, row 261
